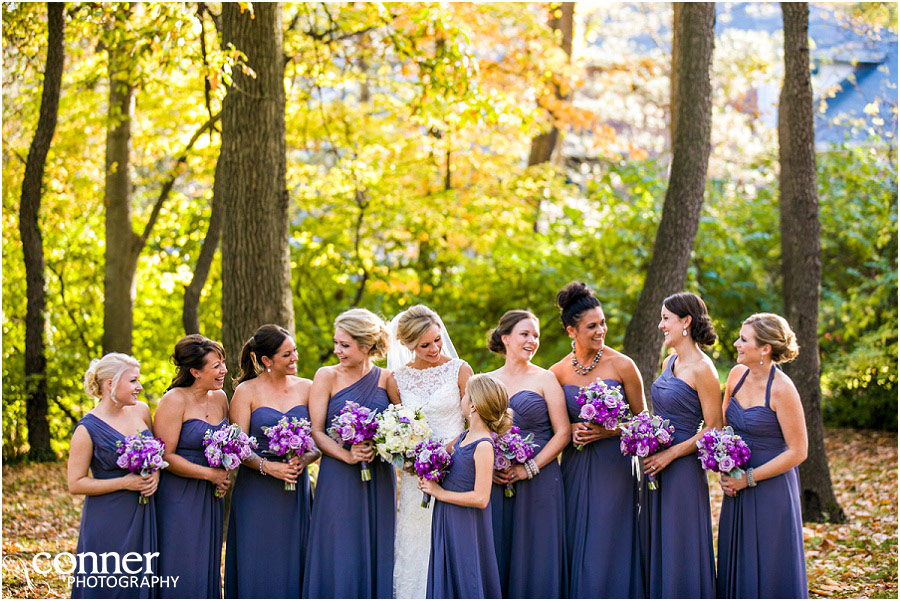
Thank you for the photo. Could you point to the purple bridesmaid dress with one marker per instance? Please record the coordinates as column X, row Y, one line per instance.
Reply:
column 463, row 564
column 189, row 520
column 114, row 522
column 602, row 537
column 351, row 540
column 529, row 528
column 761, row 530
column 268, row 526
column 679, row 562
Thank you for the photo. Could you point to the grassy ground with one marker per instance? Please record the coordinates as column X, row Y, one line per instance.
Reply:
column 855, row 559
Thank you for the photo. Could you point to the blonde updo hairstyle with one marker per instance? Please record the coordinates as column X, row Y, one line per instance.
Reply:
column 367, row 329
column 413, row 324
column 491, row 401
column 774, row 330
column 109, row 367
column 506, row 325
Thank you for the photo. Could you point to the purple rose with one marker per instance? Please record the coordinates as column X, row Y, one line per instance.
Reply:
column 588, row 412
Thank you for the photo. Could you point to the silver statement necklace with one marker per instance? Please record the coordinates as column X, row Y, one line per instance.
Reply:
column 580, row 369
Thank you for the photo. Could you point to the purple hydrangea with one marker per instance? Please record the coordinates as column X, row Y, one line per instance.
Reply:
column 512, row 448
column 141, row 454
column 432, row 462
column 723, row 451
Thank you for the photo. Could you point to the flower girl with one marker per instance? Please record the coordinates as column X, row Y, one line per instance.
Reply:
column 463, row 563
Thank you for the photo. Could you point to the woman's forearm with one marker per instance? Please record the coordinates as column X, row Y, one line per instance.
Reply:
column 93, row 486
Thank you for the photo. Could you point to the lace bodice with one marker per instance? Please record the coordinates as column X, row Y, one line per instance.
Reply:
column 436, row 392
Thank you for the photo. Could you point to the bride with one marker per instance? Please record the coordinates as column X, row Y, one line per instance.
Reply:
column 430, row 376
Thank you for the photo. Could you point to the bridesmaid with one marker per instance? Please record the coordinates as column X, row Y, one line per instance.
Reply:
column 601, row 493
column 760, row 528
column 189, row 514
column 268, row 526
column 351, row 540
column 463, row 564
column 680, row 559
column 529, row 528
column 112, row 518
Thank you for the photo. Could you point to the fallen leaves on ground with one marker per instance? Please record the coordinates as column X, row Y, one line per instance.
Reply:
column 855, row 559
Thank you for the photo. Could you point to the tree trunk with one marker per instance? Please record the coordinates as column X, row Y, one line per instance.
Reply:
column 543, row 145
column 121, row 242
column 684, row 196
column 673, row 81
column 190, row 314
column 256, row 273
column 801, row 262
column 32, row 243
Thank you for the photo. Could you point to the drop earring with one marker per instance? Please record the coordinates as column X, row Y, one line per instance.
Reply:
column 684, row 331
column 573, row 345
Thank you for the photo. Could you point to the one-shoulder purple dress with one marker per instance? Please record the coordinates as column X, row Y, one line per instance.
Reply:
column 761, row 530
column 351, row 540
column 529, row 528
column 190, row 519
column 463, row 564
column 602, row 537
column 679, row 560
column 114, row 522
column 268, row 525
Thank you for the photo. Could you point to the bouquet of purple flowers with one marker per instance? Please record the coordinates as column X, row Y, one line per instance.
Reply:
column 141, row 454
column 432, row 462
column 601, row 404
column 510, row 449
column 290, row 438
column 723, row 451
column 644, row 435
column 227, row 446
column 355, row 424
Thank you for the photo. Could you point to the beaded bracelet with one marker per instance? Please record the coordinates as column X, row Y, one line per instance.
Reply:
column 751, row 482
column 532, row 466
column 528, row 471
column 261, row 461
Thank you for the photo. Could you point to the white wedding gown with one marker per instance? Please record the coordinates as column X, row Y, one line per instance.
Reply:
column 436, row 391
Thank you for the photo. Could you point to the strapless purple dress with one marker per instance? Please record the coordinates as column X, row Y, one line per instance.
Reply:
column 679, row 561
column 190, row 519
column 761, row 529
column 268, row 525
column 529, row 528
column 602, row 537
column 351, row 539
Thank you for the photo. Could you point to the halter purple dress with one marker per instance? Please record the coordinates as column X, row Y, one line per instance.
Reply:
column 761, row 530
column 463, row 564
column 529, row 528
column 190, row 519
column 351, row 539
column 268, row 526
column 116, row 521
column 679, row 560
column 602, row 537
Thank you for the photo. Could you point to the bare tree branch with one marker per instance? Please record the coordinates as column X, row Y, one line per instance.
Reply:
column 167, row 187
